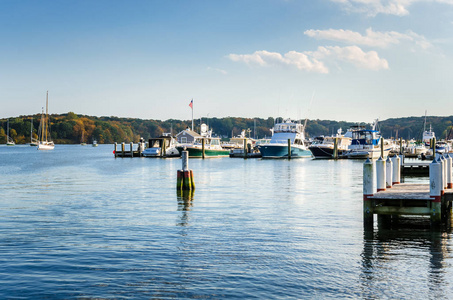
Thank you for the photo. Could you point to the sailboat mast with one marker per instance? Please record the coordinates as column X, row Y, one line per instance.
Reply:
column 424, row 125
column 42, row 124
column 47, row 111
column 31, row 130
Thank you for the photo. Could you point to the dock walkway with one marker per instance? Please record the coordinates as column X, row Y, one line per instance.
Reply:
column 384, row 195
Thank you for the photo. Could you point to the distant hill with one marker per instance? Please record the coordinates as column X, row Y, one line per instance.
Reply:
column 70, row 128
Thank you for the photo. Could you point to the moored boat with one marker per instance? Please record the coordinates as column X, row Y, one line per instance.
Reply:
column 365, row 143
column 278, row 145
column 203, row 144
column 165, row 143
column 325, row 147
column 9, row 140
column 44, row 143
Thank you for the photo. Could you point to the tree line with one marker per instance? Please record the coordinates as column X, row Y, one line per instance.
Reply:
column 71, row 128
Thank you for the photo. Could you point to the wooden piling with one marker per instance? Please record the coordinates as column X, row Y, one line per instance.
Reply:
column 245, row 148
column 435, row 191
column 114, row 151
column 382, row 149
column 335, row 148
column 396, row 170
column 123, row 149
column 184, row 179
column 449, row 172
column 163, row 149
column 289, row 148
column 368, row 191
column 388, row 173
column 202, row 148
column 380, row 174
column 131, row 145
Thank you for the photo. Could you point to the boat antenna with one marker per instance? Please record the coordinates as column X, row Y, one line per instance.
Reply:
column 309, row 107
column 424, row 125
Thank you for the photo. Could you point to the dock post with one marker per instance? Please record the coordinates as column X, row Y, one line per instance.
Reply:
column 449, row 172
column 245, row 148
column 396, row 170
column 114, row 151
column 388, row 173
column 163, row 149
column 185, row 176
column 123, row 149
column 435, row 191
column 131, row 144
column 202, row 148
column 444, row 169
column 401, row 145
column 141, row 147
column 369, row 178
column 382, row 148
column 335, row 148
column 442, row 174
column 433, row 146
column 289, row 148
column 380, row 174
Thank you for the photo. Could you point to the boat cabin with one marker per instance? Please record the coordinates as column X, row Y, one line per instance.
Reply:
column 365, row 137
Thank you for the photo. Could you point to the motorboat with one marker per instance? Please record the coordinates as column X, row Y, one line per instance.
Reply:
column 204, row 144
column 365, row 143
column 324, row 147
column 166, row 142
column 279, row 147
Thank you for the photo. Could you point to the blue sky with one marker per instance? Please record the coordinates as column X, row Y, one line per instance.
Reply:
column 353, row 60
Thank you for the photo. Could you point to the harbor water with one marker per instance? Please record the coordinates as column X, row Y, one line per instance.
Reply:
column 76, row 222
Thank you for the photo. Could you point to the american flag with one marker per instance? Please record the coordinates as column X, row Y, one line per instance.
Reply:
column 191, row 104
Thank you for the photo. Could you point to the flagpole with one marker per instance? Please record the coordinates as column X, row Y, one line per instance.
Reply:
column 192, row 114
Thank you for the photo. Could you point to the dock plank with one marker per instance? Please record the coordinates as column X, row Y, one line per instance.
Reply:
column 405, row 191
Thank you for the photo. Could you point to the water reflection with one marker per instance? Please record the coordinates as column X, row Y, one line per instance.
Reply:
column 387, row 248
column 185, row 199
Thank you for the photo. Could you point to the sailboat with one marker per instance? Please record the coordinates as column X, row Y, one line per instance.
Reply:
column 9, row 140
column 33, row 141
column 82, row 142
column 43, row 143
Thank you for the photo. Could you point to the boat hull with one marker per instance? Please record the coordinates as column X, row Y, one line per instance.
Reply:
column 281, row 151
column 156, row 152
column 198, row 152
column 324, row 152
column 46, row 146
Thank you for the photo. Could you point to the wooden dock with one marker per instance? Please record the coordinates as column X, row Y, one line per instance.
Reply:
column 385, row 196
column 406, row 199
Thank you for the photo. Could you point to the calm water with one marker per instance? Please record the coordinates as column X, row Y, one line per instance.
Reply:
column 78, row 223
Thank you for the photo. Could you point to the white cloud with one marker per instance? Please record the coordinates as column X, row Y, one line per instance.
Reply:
column 217, row 70
column 314, row 61
column 292, row 58
column 389, row 7
column 371, row 38
column 352, row 54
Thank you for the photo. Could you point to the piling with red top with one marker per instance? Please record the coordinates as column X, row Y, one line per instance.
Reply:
column 396, row 170
column 388, row 173
column 380, row 174
column 449, row 172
